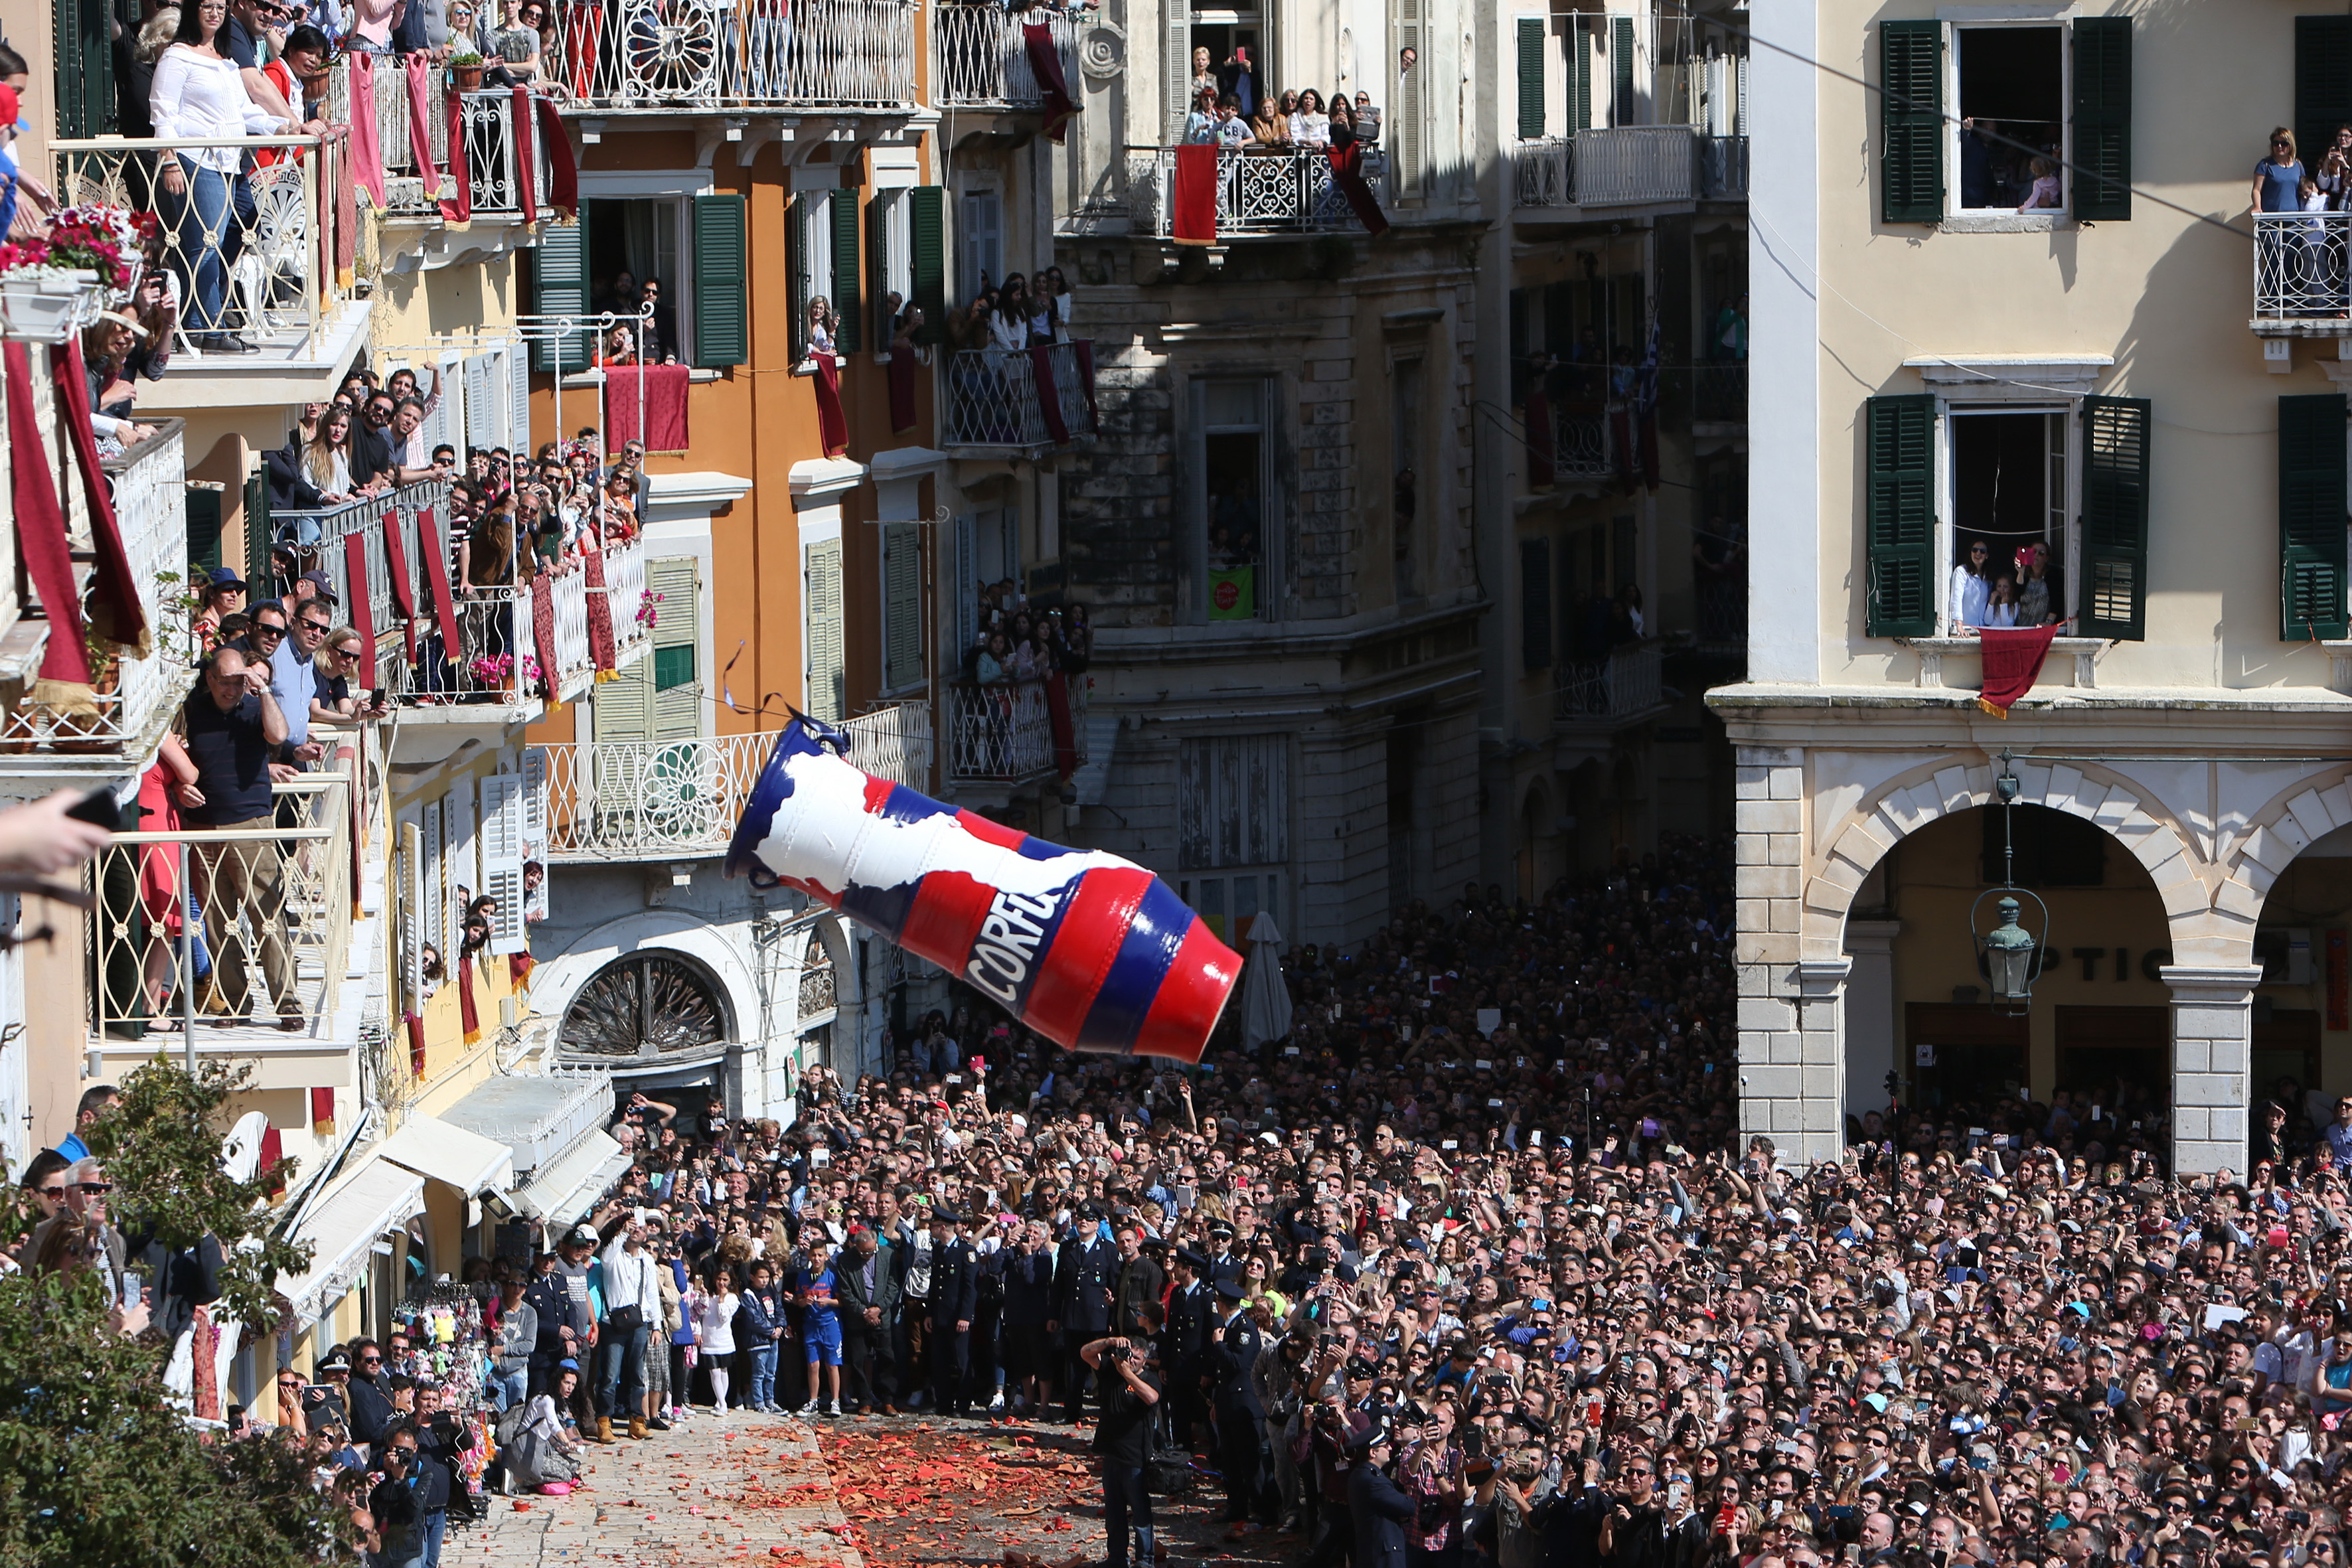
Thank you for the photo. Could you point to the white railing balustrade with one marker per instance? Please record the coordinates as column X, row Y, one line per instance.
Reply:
column 2299, row 265
column 1003, row 730
column 244, row 925
column 1581, row 442
column 267, row 273
column 1286, row 191
column 980, row 58
column 1543, row 171
column 1626, row 165
column 633, row 800
column 625, row 586
column 992, row 398
column 148, row 486
column 719, row 54
column 1624, row 684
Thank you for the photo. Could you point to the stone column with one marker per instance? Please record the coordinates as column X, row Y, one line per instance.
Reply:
column 2212, row 1075
column 1870, row 1028
column 1791, row 1031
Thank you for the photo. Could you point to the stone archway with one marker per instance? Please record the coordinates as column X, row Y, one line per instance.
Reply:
column 1797, row 880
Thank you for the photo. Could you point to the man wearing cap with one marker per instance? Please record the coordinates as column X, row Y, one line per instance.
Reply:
column 955, row 1301
column 1378, row 1508
column 1085, row 1283
column 1129, row 1395
column 1240, row 1416
column 1185, row 1345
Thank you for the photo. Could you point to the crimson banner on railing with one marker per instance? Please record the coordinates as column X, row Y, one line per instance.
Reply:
column 832, row 429
column 367, row 152
column 361, row 612
column 119, row 616
column 1049, row 394
column 1192, row 204
column 543, row 638
column 601, row 649
column 403, row 597
column 461, row 170
column 436, row 546
column 41, row 530
column 1348, row 173
column 1045, row 64
column 526, row 175
column 562, row 173
column 1082, row 351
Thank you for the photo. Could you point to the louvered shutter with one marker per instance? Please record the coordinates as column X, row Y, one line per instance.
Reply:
column 516, row 371
column 1579, row 64
column 848, row 297
column 85, row 68
column 1176, row 68
column 257, row 533
column 486, row 418
column 964, row 577
column 409, row 911
column 2323, row 83
column 827, row 696
column 676, row 707
column 1412, row 110
column 625, row 704
column 902, row 606
column 501, row 858
column 720, row 319
column 1911, row 109
column 1621, row 106
column 2103, row 109
column 1535, row 603
column 1901, row 516
column 800, row 268
column 927, row 228
column 2311, row 503
column 433, row 867
column 1531, row 79
column 877, row 269
column 2112, row 599
column 559, row 286
column 440, row 420
column 535, row 806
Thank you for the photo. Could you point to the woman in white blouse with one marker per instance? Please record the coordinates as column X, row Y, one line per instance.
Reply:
column 1310, row 126
column 199, row 95
column 717, row 1332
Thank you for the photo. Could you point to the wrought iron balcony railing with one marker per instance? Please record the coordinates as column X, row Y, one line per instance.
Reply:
column 2300, row 282
column 1282, row 191
column 994, row 398
column 979, row 58
column 683, row 56
column 1605, row 690
column 1626, row 165
column 1005, row 732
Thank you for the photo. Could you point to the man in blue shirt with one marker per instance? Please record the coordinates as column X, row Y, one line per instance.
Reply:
column 95, row 1100
column 234, row 727
column 293, row 676
column 2339, row 1134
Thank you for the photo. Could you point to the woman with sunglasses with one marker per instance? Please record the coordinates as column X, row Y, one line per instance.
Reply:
column 342, row 659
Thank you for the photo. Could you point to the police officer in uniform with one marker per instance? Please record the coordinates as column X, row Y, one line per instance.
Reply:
column 955, row 1300
column 1187, row 1343
column 1379, row 1507
column 1241, row 1416
column 1086, row 1281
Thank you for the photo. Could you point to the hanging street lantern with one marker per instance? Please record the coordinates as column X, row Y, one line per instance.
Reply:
column 2009, row 954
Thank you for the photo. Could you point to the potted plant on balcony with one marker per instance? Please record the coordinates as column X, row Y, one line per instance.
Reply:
column 43, row 299
column 465, row 71
column 83, row 724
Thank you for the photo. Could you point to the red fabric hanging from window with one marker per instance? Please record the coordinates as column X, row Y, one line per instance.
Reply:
column 41, row 529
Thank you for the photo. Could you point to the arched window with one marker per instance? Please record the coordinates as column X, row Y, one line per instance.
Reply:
column 652, row 1004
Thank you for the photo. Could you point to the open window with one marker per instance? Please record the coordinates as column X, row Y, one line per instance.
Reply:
column 693, row 248
column 2009, row 546
column 2012, row 89
column 1233, row 501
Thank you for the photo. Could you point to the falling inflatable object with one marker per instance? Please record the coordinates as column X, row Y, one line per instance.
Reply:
column 1093, row 953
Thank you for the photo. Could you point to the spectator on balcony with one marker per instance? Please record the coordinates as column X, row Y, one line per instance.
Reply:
column 995, row 658
column 2278, row 177
column 1368, row 120
column 1054, row 290
column 2034, row 597
column 619, row 524
column 522, row 42
column 1971, row 587
column 1077, row 640
column 242, row 36
column 1201, row 125
column 660, row 345
column 233, row 729
column 202, row 198
column 1232, row 130
column 1238, row 77
column 224, row 594
column 1270, row 125
column 1343, row 124
column 373, row 22
column 298, row 69
column 312, row 470
column 293, row 679
column 1204, row 76
column 403, row 383
column 413, row 458
column 466, row 29
column 135, row 54
column 342, row 661
column 106, row 348
column 1311, row 126
column 1008, row 326
column 155, row 305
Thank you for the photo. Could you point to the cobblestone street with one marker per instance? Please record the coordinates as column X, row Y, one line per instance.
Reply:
column 754, row 1489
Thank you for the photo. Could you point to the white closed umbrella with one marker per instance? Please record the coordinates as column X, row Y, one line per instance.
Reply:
column 1266, row 1000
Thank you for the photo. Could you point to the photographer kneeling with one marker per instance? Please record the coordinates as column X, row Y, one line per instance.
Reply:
column 1123, row 1436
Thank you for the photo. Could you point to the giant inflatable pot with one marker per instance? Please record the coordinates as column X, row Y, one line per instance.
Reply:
column 1093, row 953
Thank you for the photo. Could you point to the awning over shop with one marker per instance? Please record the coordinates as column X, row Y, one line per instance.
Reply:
column 377, row 1198
column 467, row 1161
column 569, row 1185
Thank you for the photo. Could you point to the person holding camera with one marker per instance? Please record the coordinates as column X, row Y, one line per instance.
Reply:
column 442, row 1441
column 1129, row 1391
column 396, row 1502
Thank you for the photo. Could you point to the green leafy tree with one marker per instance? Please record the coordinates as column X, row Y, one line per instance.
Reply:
column 98, row 1468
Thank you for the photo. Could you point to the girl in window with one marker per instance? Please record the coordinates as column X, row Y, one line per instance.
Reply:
column 821, row 323
column 2047, row 194
column 1201, row 125
column 2000, row 605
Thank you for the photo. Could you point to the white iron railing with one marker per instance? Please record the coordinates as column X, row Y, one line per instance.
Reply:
column 992, row 398
column 271, row 918
column 979, row 58
column 1543, row 171
column 1621, row 167
column 491, row 146
column 1286, row 191
column 2299, row 266
column 634, row 800
column 1723, row 168
column 1003, row 730
column 262, row 273
column 1580, row 441
column 717, row 54
column 1624, row 684
column 148, row 480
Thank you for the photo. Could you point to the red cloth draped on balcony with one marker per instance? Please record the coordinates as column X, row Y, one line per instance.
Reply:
column 420, row 129
column 603, row 650
column 322, row 1108
column 116, row 613
column 526, row 182
column 2013, row 660
column 467, row 1013
column 519, row 968
column 1058, row 714
column 1634, row 434
column 1541, row 474
column 1045, row 64
column 1049, row 396
column 435, row 544
column 562, row 173
column 461, row 168
column 1348, row 173
column 542, row 636
column 662, row 390
column 41, row 538
column 1192, row 204
column 361, row 612
column 404, row 598
column 416, row 1023
column 833, row 430
column 367, row 153
column 1082, row 351
column 901, row 375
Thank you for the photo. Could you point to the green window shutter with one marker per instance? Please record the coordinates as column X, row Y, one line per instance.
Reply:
column 559, row 286
column 800, row 280
column 2323, row 82
column 721, row 319
column 257, row 531
column 204, row 530
column 2310, row 517
column 1901, row 516
column 2103, row 109
column 877, row 270
column 673, row 667
column 848, row 302
column 676, row 695
column 1535, row 603
column 902, row 605
column 84, row 76
column 827, row 698
column 2112, row 600
column 1621, row 71
column 1579, row 61
column 1911, row 122
column 1531, row 79
column 927, row 231
column 623, row 705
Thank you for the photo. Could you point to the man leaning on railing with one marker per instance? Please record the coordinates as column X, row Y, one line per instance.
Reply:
column 234, row 727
